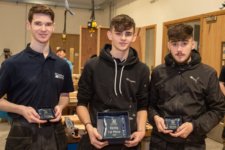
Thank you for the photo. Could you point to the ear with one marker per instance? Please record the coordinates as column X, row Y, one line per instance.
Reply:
column 193, row 44
column 28, row 25
column 109, row 34
column 53, row 27
column 134, row 37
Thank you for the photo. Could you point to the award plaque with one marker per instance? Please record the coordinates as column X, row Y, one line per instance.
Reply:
column 173, row 122
column 114, row 126
column 46, row 113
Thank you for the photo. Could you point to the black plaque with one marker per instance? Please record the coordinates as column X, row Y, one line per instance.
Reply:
column 46, row 113
column 114, row 126
column 173, row 122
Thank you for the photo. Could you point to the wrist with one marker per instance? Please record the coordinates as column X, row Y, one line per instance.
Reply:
column 156, row 117
column 88, row 125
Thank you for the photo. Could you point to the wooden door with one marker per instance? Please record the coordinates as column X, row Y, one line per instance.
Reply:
column 88, row 44
column 71, row 46
column 213, row 36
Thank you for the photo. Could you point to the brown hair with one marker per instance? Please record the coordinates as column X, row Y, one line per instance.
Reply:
column 40, row 8
column 122, row 22
column 180, row 32
column 60, row 49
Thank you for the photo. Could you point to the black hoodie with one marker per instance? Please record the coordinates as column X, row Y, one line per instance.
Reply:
column 191, row 91
column 111, row 85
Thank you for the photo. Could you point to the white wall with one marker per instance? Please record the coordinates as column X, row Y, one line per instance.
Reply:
column 13, row 16
column 146, row 13
column 13, row 33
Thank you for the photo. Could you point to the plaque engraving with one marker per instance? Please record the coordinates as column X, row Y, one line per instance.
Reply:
column 172, row 122
column 46, row 113
column 114, row 127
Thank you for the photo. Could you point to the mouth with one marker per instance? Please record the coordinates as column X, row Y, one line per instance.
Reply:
column 123, row 44
column 179, row 55
column 43, row 35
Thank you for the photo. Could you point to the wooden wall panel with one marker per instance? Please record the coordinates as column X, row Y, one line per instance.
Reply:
column 72, row 41
column 137, row 46
column 88, row 45
column 103, row 38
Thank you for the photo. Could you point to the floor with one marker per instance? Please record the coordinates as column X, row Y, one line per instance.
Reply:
column 4, row 129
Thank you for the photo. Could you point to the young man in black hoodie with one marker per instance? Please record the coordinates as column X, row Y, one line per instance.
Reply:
column 186, row 101
column 114, row 81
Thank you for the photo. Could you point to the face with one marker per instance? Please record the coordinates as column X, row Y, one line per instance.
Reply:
column 58, row 53
column 61, row 54
column 181, row 50
column 41, row 28
column 121, row 41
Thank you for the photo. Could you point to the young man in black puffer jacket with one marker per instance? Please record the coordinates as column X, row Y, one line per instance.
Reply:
column 186, row 101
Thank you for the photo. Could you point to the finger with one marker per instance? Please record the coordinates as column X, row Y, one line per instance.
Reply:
column 97, row 135
column 163, row 125
column 177, row 134
column 180, row 128
column 99, row 144
column 35, row 120
column 167, row 131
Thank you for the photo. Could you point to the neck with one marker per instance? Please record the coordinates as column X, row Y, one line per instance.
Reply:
column 122, row 55
column 41, row 48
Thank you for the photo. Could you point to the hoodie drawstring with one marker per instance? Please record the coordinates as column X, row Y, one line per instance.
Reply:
column 121, row 74
column 115, row 77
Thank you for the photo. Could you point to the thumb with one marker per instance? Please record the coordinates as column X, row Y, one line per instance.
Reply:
column 97, row 134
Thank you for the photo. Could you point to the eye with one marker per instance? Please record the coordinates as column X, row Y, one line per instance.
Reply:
column 184, row 43
column 128, row 33
column 38, row 23
column 174, row 44
column 118, row 33
column 49, row 24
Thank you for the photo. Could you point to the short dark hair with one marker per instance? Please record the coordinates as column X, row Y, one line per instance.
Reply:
column 180, row 32
column 60, row 49
column 122, row 22
column 42, row 9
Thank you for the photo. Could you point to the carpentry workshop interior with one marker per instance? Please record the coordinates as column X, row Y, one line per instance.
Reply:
column 81, row 31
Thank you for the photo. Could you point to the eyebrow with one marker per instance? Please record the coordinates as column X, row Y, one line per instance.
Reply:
column 180, row 41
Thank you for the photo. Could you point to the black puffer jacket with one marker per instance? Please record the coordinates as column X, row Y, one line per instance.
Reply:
column 191, row 91
column 114, row 86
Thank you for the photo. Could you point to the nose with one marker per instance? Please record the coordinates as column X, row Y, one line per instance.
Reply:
column 123, row 37
column 179, row 47
column 43, row 28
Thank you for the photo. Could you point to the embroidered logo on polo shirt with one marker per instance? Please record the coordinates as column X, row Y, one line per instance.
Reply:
column 59, row 76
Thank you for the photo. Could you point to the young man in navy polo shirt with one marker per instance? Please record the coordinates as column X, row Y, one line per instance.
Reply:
column 32, row 79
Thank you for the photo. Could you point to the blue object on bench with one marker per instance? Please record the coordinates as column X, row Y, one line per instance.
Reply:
column 72, row 146
column 3, row 114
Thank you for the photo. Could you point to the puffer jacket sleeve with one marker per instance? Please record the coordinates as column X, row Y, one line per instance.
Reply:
column 85, row 84
column 215, row 104
column 153, row 100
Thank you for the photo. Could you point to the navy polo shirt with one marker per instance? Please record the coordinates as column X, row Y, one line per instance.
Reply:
column 30, row 79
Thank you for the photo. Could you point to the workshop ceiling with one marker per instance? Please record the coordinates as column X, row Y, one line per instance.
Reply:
column 81, row 4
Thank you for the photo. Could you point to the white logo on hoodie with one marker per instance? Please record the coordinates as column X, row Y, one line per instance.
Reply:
column 131, row 81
